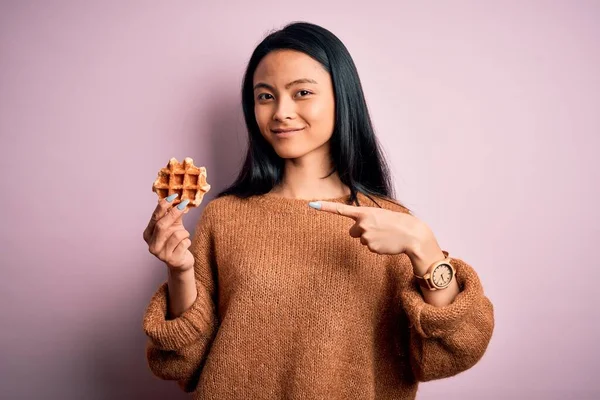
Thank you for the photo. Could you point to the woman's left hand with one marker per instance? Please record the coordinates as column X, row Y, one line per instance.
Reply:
column 388, row 232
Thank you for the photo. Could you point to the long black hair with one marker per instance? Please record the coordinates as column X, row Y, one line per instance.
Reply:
column 355, row 152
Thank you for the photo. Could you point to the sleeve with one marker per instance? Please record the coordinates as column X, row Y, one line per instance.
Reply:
column 177, row 348
column 445, row 341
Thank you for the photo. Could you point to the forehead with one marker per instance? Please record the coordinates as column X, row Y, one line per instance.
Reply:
column 288, row 65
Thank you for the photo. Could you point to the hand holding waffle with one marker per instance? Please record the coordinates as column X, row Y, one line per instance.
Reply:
column 166, row 236
column 178, row 184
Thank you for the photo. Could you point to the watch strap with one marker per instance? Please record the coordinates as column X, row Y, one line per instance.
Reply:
column 425, row 280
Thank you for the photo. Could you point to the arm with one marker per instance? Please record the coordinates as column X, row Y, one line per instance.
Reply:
column 449, row 332
column 449, row 339
column 180, row 335
column 182, row 292
column 423, row 253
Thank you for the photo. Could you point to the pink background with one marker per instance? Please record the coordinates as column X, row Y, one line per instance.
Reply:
column 488, row 111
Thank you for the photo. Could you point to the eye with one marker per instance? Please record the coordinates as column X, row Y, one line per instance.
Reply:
column 261, row 96
column 306, row 93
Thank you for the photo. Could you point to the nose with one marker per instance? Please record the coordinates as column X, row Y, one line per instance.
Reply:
column 286, row 109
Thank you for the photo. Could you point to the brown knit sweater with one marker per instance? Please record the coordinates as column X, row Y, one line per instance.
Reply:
column 290, row 306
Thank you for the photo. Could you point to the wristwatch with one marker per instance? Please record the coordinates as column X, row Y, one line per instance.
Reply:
column 438, row 275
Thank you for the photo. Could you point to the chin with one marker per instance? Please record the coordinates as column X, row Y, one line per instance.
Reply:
column 293, row 151
column 289, row 154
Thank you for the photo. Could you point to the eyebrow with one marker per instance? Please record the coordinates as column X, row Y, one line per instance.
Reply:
column 297, row 81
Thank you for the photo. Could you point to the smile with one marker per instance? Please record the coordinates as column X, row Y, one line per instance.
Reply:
column 285, row 134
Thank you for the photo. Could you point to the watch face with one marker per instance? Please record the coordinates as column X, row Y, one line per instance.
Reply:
column 442, row 275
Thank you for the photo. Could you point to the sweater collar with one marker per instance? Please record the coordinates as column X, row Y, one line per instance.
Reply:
column 277, row 203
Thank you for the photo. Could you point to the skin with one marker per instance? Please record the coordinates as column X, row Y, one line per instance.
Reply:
column 389, row 232
column 168, row 240
column 292, row 90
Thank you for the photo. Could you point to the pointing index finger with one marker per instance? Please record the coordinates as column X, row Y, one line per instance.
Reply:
column 337, row 208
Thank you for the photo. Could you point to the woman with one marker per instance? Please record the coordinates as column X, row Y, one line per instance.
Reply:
column 305, row 279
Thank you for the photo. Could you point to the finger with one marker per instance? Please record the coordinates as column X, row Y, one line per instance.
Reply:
column 338, row 208
column 179, row 251
column 158, row 243
column 356, row 231
column 174, row 240
column 161, row 236
column 172, row 216
column 161, row 209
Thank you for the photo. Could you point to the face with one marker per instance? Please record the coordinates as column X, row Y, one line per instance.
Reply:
column 294, row 104
column 442, row 275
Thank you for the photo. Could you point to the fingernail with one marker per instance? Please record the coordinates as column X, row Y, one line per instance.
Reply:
column 182, row 205
column 171, row 197
column 315, row 204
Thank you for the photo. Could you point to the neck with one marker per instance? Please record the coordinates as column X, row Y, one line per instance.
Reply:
column 303, row 179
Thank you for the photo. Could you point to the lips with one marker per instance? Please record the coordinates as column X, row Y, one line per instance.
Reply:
column 287, row 130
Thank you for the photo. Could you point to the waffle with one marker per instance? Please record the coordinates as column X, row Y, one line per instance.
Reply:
column 185, row 179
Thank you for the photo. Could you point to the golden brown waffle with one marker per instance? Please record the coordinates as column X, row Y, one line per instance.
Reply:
column 185, row 179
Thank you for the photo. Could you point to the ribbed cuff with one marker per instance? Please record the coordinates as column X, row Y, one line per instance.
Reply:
column 432, row 321
column 196, row 322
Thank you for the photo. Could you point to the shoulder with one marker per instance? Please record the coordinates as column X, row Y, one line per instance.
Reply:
column 221, row 209
column 214, row 214
column 219, row 206
column 382, row 202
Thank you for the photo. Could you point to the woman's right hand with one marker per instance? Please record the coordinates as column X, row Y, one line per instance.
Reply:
column 167, row 238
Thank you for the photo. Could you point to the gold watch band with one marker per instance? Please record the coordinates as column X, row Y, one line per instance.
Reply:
column 425, row 280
